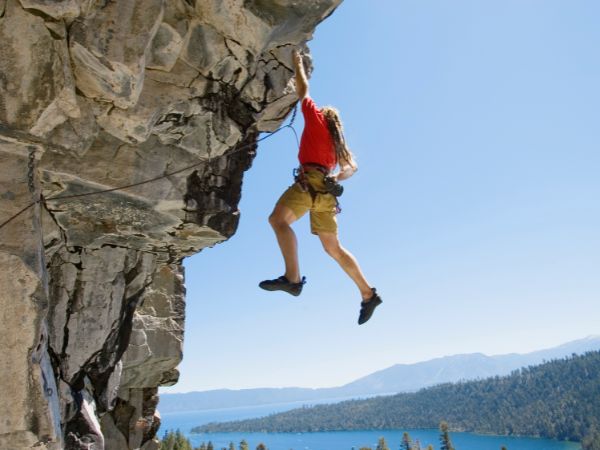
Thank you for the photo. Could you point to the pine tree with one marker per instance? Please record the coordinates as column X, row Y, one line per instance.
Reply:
column 168, row 441
column 231, row 446
column 382, row 445
column 261, row 446
column 181, row 442
column 175, row 440
column 591, row 441
column 178, row 440
column 243, row 445
column 210, row 446
column 202, row 446
column 445, row 437
column 406, row 442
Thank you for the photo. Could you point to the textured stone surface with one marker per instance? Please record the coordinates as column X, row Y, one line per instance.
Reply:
column 29, row 403
column 165, row 48
column 92, row 292
column 156, row 343
column 38, row 92
column 57, row 9
column 108, row 95
column 108, row 49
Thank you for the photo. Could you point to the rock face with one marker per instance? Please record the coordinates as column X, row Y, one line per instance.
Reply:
column 100, row 95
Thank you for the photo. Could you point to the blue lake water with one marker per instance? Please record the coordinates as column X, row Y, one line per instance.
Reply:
column 338, row 440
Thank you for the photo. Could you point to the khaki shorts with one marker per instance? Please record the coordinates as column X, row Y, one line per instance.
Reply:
column 322, row 210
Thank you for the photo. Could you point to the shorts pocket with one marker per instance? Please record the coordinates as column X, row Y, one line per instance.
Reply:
column 324, row 202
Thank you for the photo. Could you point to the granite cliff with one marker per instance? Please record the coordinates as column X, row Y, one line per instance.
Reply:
column 96, row 95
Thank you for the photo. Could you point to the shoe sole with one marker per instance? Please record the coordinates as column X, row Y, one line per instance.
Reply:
column 270, row 288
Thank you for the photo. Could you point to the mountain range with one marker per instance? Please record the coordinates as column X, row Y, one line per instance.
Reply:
column 392, row 380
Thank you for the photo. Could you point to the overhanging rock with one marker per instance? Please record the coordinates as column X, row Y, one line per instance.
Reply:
column 94, row 96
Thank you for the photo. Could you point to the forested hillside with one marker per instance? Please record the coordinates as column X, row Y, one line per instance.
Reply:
column 559, row 399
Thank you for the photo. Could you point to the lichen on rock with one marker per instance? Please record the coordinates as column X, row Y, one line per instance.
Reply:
column 95, row 96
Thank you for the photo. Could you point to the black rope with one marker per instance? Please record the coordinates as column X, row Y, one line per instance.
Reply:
column 6, row 222
column 290, row 125
column 296, row 135
column 160, row 177
column 294, row 112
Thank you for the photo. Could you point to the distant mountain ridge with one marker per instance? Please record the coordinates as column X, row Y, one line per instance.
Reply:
column 559, row 399
column 394, row 379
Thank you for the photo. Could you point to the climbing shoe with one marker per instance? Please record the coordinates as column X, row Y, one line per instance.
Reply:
column 368, row 306
column 283, row 284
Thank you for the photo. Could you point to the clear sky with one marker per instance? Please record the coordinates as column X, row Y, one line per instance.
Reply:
column 475, row 210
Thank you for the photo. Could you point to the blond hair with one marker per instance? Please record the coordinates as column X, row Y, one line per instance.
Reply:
column 336, row 130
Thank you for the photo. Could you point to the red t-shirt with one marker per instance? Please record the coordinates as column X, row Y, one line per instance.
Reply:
column 316, row 144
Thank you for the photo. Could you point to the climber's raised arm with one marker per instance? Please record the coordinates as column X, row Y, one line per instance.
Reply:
column 301, row 81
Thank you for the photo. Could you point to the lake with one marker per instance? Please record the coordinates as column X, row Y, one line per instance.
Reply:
column 337, row 440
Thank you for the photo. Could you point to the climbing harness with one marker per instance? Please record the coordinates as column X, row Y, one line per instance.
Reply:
column 332, row 187
column 206, row 160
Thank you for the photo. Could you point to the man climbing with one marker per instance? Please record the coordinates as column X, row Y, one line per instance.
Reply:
column 322, row 148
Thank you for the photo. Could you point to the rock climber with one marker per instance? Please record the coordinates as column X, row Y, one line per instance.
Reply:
column 322, row 149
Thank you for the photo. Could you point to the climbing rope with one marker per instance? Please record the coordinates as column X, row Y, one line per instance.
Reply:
column 291, row 127
column 236, row 149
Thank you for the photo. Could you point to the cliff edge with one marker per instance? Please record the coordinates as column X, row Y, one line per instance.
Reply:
column 100, row 95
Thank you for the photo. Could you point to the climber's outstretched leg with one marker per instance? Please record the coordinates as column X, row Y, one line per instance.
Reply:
column 347, row 261
column 281, row 219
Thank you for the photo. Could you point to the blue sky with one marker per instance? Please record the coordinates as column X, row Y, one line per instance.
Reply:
column 475, row 210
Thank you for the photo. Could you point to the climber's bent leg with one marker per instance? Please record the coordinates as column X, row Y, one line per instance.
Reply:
column 347, row 261
column 280, row 219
